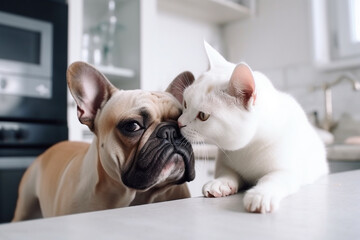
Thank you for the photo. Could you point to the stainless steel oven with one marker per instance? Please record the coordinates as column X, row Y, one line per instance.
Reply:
column 33, row 112
column 25, row 59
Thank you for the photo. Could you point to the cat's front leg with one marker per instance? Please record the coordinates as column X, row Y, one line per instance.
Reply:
column 226, row 182
column 266, row 195
column 220, row 187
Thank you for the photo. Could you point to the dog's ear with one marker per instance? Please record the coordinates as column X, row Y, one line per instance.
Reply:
column 178, row 85
column 90, row 90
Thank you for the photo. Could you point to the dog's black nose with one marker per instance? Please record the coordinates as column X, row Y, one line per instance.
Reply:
column 168, row 132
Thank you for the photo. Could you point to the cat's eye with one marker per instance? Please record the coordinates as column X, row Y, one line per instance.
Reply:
column 203, row 116
column 185, row 106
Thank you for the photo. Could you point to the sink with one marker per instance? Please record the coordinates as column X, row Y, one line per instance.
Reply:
column 347, row 131
column 343, row 143
column 343, row 152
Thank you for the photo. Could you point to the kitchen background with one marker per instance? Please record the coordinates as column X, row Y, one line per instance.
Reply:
column 144, row 44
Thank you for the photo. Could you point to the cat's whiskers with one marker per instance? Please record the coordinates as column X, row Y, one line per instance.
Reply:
column 200, row 141
column 221, row 149
column 183, row 143
column 195, row 138
column 205, row 152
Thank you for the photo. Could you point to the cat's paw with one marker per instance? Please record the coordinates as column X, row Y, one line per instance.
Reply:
column 220, row 187
column 260, row 201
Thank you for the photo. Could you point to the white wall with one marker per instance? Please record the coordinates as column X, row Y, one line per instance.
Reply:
column 181, row 45
column 173, row 44
column 278, row 42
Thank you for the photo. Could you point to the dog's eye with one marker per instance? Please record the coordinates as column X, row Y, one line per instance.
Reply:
column 132, row 127
column 203, row 116
column 185, row 106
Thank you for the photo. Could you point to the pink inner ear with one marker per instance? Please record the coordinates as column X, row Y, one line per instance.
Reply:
column 242, row 84
column 90, row 90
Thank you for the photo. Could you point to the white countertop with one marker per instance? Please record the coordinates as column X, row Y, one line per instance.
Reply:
column 335, row 152
column 328, row 209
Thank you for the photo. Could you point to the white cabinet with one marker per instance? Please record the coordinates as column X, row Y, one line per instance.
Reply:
column 138, row 25
column 89, row 27
column 90, row 22
column 215, row 11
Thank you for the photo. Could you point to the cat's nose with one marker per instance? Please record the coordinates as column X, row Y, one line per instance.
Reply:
column 181, row 125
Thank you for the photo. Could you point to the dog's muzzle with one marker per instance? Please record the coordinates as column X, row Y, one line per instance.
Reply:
column 167, row 157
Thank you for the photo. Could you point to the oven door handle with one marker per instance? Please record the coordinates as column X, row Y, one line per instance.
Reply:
column 15, row 162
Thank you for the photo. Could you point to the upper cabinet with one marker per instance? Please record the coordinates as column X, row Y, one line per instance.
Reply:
column 214, row 11
column 119, row 37
column 336, row 35
column 106, row 34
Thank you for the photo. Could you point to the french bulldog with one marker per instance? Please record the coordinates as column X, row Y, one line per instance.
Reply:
column 137, row 155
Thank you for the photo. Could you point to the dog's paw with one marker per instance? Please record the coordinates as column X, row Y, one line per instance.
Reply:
column 220, row 187
column 260, row 201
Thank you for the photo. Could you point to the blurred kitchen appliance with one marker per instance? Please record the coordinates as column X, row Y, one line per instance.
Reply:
column 33, row 102
column 25, row 56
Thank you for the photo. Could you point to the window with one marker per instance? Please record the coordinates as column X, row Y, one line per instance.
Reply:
column 346, row 29
column 355, row 19
column 336, row 33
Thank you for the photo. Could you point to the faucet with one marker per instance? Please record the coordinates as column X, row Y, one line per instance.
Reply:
column 328, row 123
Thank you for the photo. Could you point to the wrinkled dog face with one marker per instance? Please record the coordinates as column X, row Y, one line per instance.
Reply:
column 136, row 131
column 140, row 130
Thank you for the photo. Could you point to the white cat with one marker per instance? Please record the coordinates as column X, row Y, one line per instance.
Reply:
column 266, row 141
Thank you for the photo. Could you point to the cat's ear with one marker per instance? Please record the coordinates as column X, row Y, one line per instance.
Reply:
column 215, row 58
column 178, row 85
column 90, row 90
column 242, row 85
